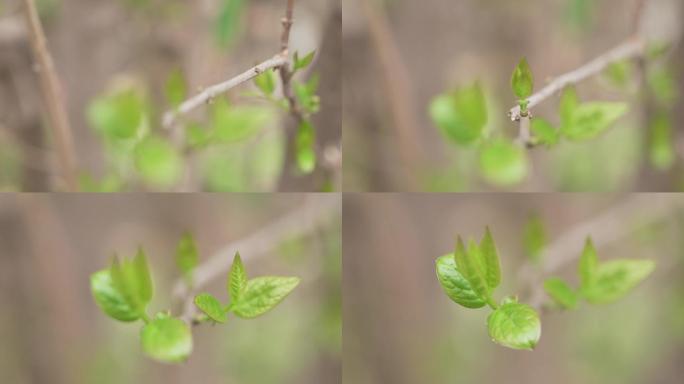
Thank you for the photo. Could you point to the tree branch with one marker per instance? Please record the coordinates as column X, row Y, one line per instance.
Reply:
column 285, row 71
column 59, row 121
column 300, row 221
column 611, row 225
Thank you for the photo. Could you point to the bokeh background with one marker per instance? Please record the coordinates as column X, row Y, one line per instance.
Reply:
column 100, row 45
column 400, row 54
column 399, row 326
column 52, row 331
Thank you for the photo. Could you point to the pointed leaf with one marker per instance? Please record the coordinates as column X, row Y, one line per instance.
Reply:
column 543, row 132
column 534, row 238
column 588, row 264
column 616, row 278
column 661, row 146
column 490, row 258
column 515, row 325
column 237, row 278
column 176, row 89
column 266, row 82
column 590, row 119
column 186, row 254
column 455, row 285
column 304, row 143
column 211, row 307
column 561, row 292
column 166, row 339
column 468, row 263
column 262, row 294
column 522, row 81
column 143, row 280
column 109, row 299
column 304, row 61
column 568, row 103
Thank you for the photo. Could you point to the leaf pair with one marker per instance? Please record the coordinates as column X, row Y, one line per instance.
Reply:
column 522, row 83
column 600, row 283
column 249, row 298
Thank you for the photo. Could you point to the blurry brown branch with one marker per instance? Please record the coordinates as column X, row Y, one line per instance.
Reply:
column 58, row 119
column 611, row 225
column 285, row 71
column 298, row 222
column 632, row 48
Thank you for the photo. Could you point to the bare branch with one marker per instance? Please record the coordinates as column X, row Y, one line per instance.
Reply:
column 211, row 92
column 300, row 221
column 59, row 121
column 285, row 71
column 632, row 48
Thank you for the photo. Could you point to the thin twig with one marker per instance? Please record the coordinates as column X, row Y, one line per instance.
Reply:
column 300, row 221
column 59, row 121
column 632, row 48
column 611, row 225
column 211, row 92
column 285, row 70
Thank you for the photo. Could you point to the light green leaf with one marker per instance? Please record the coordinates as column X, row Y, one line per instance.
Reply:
column 588, row 264
column 661, row 145
column 590, row 119
column 503, row 163
column 515, row 325
column 616, row 278
column 196, row 135
column 237, row 278
column 455, row 285
column 109, row 299
column 118, row 116
column 132, row 279
column 266, row 82
column 306, row 95
column 176, row 89
column 166, row 339
column 534, row 238
column 158, row 162
column 236, row 123
column 186, row 255
column 522, row 81
column 461, row 115
column 619, row 73
column 304, row 61
column 568, row 104
column 663, row 84
column 211, row 307
column 262, row 294
column 490, row 260
column 228, row 21
column 561, row 292
column 142, row 276
column 304, row 145
column 468, row 262
column 543, row 132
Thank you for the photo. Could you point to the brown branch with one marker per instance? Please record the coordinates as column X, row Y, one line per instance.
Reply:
column 285, row 71
column 59, row 121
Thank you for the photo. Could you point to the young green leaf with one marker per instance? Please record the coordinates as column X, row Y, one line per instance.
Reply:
column 522, row 81
column 544, row 133
column 167, row 339
column 588, row 264
column 132, row 279
column 561, row 292
column 515, row 325
column 568, row 103
column 618, row 73
column 455, row 285
column 142, row 276
column 158, row 162
column 228, row 23
column 211, row 307
column 176, row 89
column 118, row 116
column 237, row 278
column 266, row 82
column 534, row 238
column 262, row 294
column 468, row 262
column 661, row 145
column 616, row 278
column 590, row 119
column 503, row 163
column 306, row 95
column 304, row 61
column 304, row 143
column 186, row 255
column 460, row 115
column 490, row 260
column 109, row 299
column 662, row 83
column 236, row 123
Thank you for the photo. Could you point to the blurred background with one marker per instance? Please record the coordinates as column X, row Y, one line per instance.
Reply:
column 400, row 327
column 52, row 331
column 400, row 54
column 105, row 47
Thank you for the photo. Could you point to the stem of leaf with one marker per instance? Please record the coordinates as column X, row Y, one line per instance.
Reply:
column 492, row 303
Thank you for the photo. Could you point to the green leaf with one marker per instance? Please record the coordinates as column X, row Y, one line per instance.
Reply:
column 266, row 82
column 461, row 115
column 619, row 73
column 522, row 81
column 197, row 136
column 118, row 116
column 237, row 278
column 616, row 278
column 211, row 307
column 544, row 133
column 167, row 339
column 228, row 22
column 468, row 262
column 515, row 325
column 109, row 299
column 490, row 260
column 661, row 145
column 304, row 61
column 186, row 255
column 304, row 146
column 568, row 104
column 561, row 292
column 262, row 294
column 132, row 279
column 588, row 264
column 663, row 84
column 236, row 123
column 590, row 119
column 455, row 285
column 306, row 95
column 158, row 162
column 534, row 238
column 176, row 89
column 503, row 163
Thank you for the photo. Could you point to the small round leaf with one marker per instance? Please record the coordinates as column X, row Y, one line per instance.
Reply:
column 515, row 325
column 167, row 339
